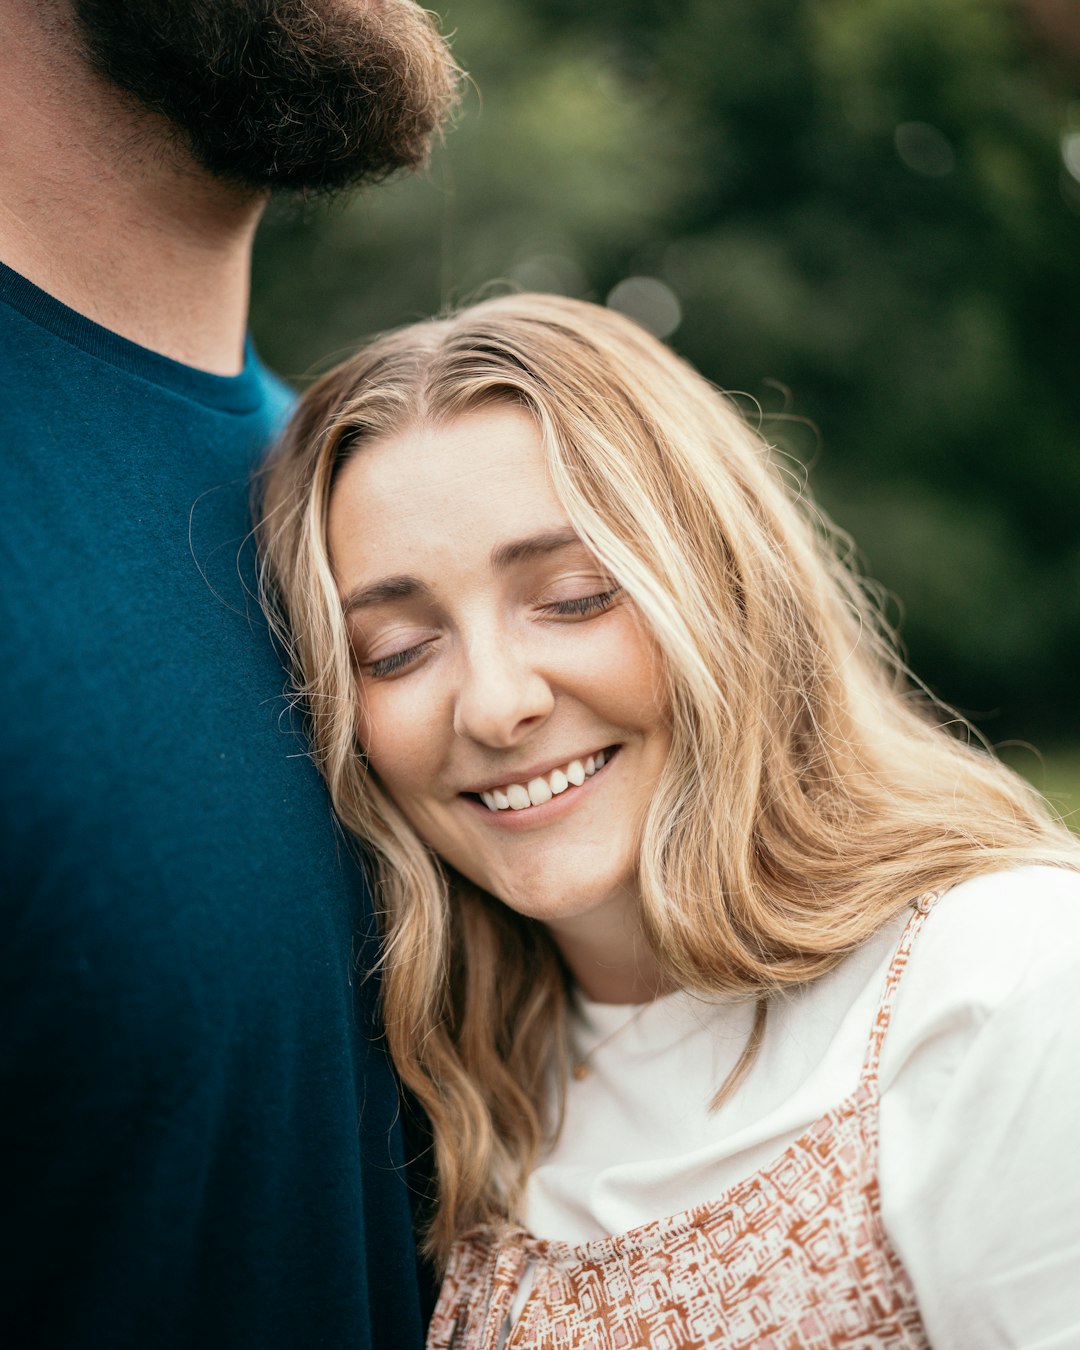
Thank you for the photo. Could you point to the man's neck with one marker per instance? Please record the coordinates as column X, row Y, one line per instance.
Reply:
column 100, row 206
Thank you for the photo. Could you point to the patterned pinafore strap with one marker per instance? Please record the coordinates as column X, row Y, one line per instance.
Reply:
column 921, row 907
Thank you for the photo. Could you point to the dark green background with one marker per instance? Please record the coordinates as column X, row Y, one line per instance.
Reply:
column 866, row 213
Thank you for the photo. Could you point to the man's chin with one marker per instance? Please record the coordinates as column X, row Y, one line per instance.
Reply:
column 303, row 96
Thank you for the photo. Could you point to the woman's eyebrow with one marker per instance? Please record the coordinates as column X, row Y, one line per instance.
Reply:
column 533, row 546
column 390, row 588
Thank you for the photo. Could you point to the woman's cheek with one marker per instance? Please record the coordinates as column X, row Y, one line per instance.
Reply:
column 397, row 734
column 375, row 727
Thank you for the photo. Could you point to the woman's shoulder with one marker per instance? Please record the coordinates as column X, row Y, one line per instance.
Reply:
column 989, row 936
column 979, row 1107
column 1014, row 897
column 990, row 943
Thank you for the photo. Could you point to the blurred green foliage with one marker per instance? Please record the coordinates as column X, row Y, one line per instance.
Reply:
column 864, row 212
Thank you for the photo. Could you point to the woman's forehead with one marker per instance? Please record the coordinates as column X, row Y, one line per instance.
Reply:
column 470, row 485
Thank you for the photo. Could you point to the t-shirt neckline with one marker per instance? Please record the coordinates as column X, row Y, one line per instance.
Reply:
column 228, row 393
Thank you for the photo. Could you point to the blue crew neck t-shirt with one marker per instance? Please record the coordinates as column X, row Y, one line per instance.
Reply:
column 199, row 1141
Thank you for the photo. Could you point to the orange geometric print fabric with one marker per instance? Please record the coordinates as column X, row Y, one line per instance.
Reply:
column 795, row 1257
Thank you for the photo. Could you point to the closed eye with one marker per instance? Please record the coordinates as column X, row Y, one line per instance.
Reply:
column 585, row 604
column 396, row 662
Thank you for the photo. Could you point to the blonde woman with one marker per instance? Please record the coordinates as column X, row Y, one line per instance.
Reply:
column 741, row 996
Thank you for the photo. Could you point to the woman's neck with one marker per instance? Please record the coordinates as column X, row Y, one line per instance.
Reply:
column 608, row 957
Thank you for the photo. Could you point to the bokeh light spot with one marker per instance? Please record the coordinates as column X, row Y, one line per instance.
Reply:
column 552, row 272
column 650, row 302
column 924, row 149
column 1070, row 153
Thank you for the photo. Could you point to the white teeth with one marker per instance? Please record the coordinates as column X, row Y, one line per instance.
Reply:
column 517, row 796
column 539, row 792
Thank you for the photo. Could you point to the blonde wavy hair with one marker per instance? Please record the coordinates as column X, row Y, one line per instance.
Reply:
column 811, row 791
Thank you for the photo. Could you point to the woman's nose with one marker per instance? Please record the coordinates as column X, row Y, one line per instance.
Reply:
column 502, row 696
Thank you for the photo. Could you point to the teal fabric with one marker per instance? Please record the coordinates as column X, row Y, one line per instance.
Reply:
column 198, row 1141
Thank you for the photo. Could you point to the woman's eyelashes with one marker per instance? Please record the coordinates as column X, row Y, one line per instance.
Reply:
column 395, row 662
column 401, row 648
column 583, row 604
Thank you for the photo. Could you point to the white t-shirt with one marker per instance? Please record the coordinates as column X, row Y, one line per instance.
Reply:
column 979, row 1119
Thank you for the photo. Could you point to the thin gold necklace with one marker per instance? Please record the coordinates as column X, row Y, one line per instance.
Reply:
column 580, row 1068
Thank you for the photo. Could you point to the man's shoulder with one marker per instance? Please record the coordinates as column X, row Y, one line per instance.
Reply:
column 278, row 398
column 64, row 375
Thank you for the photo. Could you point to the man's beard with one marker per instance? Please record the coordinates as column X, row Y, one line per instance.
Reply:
column 310, row 95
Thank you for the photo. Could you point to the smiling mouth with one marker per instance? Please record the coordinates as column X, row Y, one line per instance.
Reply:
column 540, row 790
